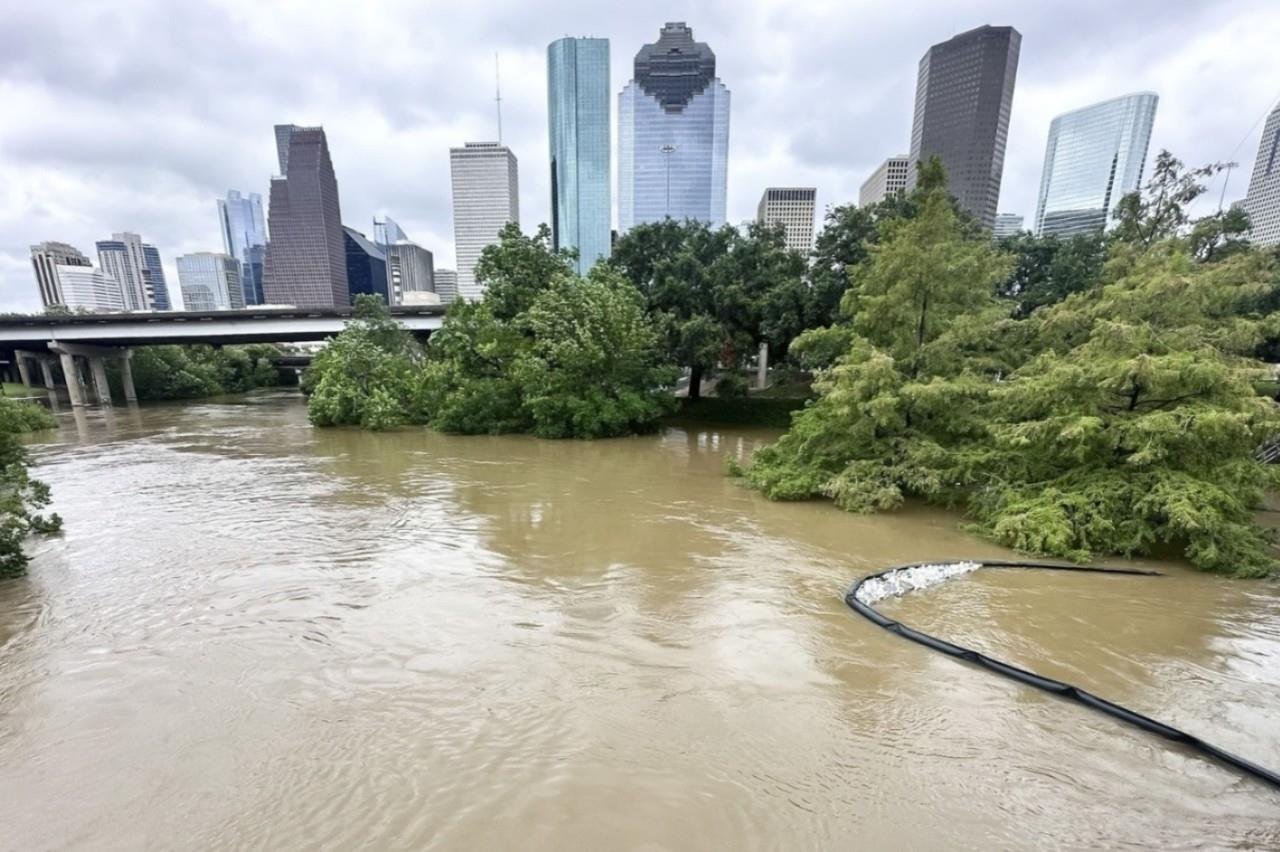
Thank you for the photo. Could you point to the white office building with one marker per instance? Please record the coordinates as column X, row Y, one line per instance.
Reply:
column 486, row 196
column 1262, row 202
column 1007, row 224
column 791, row 207
column 45, row 260
column 210, row 282
column 87, row 288
column 889, row 179
column 446, row 285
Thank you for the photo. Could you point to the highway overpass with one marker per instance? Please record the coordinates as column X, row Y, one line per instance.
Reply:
column 252, row 325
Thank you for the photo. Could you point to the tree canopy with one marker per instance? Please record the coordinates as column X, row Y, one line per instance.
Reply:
column 22, row 499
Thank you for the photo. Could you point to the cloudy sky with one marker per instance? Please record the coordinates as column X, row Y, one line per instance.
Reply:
column 138, row 115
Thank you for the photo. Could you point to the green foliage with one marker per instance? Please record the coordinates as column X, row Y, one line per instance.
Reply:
column 1049, row 269
column 544, row 352
column 192, row 372
column 22, row 498
column 365, row 376
column 1119, row 416
column 715, row 295
column 1158, row 211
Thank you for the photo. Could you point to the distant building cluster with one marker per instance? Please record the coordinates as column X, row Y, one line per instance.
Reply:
column 673, row 152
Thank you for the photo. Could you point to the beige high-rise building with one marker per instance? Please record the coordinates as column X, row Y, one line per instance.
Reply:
column 793, row 207
column 889, row 178
column 486, row 196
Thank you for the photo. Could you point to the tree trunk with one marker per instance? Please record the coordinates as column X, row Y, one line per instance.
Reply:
column 695, row 382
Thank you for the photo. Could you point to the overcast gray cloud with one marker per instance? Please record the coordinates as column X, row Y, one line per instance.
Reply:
column 138, row 115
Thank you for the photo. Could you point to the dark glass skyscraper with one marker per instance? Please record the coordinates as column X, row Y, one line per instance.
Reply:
column 306, row 262
column 578, row 118
column 673, row 133
column 366, row 266
column 154, row 273
column 964, row 94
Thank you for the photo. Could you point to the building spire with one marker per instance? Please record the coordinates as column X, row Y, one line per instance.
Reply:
column 497, row 93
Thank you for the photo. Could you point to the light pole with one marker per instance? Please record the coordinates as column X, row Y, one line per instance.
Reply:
column 668, row 149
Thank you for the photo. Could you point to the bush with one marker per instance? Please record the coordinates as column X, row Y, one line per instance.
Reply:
column 21, row 497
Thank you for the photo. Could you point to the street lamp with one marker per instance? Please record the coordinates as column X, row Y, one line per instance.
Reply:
column 668, row 149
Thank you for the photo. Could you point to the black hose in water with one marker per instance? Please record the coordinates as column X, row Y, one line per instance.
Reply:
column 1048, row 684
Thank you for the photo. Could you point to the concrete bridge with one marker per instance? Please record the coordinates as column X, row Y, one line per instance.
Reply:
column 92, row 339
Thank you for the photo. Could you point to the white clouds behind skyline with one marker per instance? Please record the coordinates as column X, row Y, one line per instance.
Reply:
column 138, row 115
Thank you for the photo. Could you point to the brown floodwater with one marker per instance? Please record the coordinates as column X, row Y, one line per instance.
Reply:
column 256, row 634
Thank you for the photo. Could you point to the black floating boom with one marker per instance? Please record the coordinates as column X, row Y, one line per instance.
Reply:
column 1048, row 684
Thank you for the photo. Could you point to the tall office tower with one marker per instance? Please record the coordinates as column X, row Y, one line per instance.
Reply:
column 793, row 207
column 45, row 260
column 210, row 282
column 1007, row 224
column 1093, row 158
column 122, row 258
column 306, row 258
column 673, row 134
column 889, row 178
column 486, row 196
column 153, row 275
column 89, row 288
column 388, row 232
column 1262, row 201
column 446, row 285
column 366, row 266
column 578, row 114
column 964, row 94
column 244, row 237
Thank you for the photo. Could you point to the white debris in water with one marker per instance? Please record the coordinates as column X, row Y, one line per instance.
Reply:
column 912, row 579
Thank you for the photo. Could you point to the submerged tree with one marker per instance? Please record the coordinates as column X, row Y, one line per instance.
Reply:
column 22, row 499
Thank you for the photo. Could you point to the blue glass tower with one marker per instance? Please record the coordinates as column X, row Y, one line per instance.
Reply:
column 244, row 237
column 578, row 111
column 673, row 134
column 1093, row 158
column 154, row 272
column 366, row 266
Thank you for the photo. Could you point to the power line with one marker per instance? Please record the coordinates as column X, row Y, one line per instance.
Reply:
column 1231, row 164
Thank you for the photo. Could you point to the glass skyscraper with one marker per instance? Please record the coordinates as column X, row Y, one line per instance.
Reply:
column 210, row 282
column 578, row 114
column 964, row 96
column 1093, row 158
column 244, row 237
column 673, row 134
column 154, row 275
column 366, row 266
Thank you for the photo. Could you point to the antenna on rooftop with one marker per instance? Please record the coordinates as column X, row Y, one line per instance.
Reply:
column 497, row 93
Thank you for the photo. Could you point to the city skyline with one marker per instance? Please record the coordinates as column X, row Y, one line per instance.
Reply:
column 63, row 189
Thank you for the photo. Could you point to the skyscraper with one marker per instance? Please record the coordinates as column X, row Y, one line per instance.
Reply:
column 366, row 266
column 306, row 259
column 122, row 258
column 210, row 282
column 889, row 178
column 153, row 275
column 45, row 260
column 578, row 116
column 1007, row 224
column 410, row 269
column 964, row 94
column 1094, row 156
column 1262, row 202
column 793, row 208
column 486, row 196
column 244, row 237
column 673, row 134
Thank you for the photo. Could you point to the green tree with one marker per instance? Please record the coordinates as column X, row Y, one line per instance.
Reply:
column 22, row 499
column 1048, row 269
column 1140, row 427
column 366, row 375
column 1160, row 210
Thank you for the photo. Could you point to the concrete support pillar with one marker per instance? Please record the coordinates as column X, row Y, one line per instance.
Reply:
column 46, row 372
column 126, row 376
column 98, row 366
column 74, row 389
column 762, row 367
column 24, row 372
